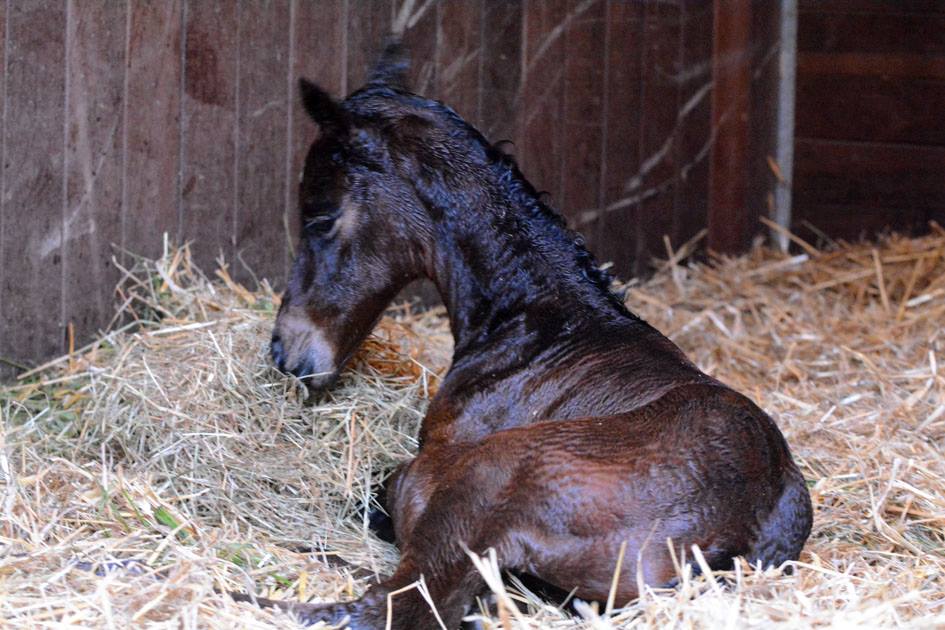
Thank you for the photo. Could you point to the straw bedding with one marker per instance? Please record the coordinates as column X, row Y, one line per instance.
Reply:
column 168, row 462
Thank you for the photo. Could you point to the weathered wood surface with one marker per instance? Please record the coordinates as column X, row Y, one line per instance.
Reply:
column 92, row 217
column 209, row 130
column 125, row 120
column 728, row 196
column 32, row 185
column 152, row 125
column 870, row 148
column 262, row 138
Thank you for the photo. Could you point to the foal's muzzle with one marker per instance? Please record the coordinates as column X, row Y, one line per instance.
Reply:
column 305, row 363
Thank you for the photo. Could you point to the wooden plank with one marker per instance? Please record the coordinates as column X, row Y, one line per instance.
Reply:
column 728, row 220
column 459, row 45
column 854, row 222
column 880, row 65
column 911, row 34
column 369, row 23
column 878, row 164
column 32, row 181
column 613, row 226
column 501, row 69
column 262, row 141
column 152, row 126
column 418, row 22
column 658, row 175
column 693, row 139
column 887, row 110
column 208, row 178
column 583, row 113
column 93, row 163
column 319, row 39
column 540, row 103
column 318, row 34
column 764, row 91
column 883, row 7
column 865, row 174
column 6, row 370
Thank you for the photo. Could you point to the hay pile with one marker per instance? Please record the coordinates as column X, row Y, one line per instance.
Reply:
column 169, row 459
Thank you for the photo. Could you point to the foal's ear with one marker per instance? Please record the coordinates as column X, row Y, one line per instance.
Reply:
column 319, row 104
column 391, row 68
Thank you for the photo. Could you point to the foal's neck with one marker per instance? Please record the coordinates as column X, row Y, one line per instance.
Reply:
column 503, row 263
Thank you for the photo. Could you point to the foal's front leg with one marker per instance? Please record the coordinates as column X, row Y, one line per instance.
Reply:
column 405, row 492
column 440, row 503
column 370, row 611
column 399, row 597
column 381, row 519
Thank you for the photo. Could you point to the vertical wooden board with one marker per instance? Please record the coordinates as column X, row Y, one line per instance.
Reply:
column 657, row 178
column 369, row 23
column 613, row 225
column 459, row 37
column 501, row 68
column 6, row 371
column 728, row 194
column 418, row 23
column 319, row 40
column 94, row 130
column 208, row 105
column 262, row 141
column 32, row 193
column 693, row 140
column 540, row 103
column 582, row 123
column 152, row 126
column 318, row 54
column 764, row 89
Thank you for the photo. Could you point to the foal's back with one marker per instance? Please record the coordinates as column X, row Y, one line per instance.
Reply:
column 601, row 366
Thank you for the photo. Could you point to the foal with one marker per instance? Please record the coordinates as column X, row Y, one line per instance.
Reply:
column 566, row 425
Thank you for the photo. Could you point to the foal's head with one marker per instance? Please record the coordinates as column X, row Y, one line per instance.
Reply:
column 365, row 234
column 398, row 186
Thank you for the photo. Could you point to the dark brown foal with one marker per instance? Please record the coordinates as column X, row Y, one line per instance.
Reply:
column 566, row 426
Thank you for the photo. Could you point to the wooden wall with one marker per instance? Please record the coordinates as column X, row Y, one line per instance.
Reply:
column 870, row 145
column 123, row 120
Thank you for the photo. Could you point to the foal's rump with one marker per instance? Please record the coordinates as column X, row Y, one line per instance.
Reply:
column 701, row 465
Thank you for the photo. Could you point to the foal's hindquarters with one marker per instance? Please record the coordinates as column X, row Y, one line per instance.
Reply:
column 701, row 465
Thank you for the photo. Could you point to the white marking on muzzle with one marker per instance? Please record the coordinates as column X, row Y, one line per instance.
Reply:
column 305, row 343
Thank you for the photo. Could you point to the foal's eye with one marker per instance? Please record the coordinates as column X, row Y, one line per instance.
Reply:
column 320, row 225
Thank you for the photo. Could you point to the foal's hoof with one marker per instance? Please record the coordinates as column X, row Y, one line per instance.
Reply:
column 339, row 614
column 382, row 525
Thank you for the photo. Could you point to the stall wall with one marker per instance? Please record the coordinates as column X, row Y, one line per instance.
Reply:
column 870, row 143
column 123, row 121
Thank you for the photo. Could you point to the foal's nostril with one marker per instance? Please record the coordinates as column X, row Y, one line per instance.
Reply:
column 278, row 352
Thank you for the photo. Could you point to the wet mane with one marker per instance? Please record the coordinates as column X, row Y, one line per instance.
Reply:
column 376, row 100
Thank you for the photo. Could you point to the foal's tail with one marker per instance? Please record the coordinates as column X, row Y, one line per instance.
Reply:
column 786, row 528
